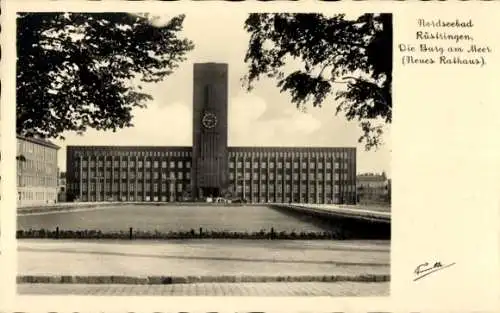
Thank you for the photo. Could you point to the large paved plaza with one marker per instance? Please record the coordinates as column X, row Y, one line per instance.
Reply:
column 338, row 289
column 203, row 257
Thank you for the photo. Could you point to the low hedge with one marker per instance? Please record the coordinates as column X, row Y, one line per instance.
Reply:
column 191, row 234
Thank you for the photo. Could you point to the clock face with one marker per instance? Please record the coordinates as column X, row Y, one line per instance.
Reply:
column 209, row 120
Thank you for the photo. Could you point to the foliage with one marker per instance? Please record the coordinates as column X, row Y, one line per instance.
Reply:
column 191, row 234
column 351, row 59
column 84, row 70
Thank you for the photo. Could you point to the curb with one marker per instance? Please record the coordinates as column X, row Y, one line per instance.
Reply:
column 170, row 280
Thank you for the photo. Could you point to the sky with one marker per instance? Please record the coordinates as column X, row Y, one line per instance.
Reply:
column 263, row 117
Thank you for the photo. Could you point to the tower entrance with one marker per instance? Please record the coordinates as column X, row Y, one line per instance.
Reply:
column 213, row 192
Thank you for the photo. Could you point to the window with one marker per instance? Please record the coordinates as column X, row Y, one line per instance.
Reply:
column 155, row 187
column 163, row 164
column 116, row 164
column 148, row 175
column 155, row 164
column 255, row 176
column 263, row 165
column 280, row 165
column 179, row 175
column 320, row 166
column 139, row 164
column 287, row 164
column 312, row 165
column 311, row 176
column 231, row 176
column 247, row 175
column 231, row 164
column 263, row 176
column 124, row 163
column 239, row 164
column 163, row 175
column 295, row 165
column 131, row 187
column 188, row 164
column 295, row 176
column 139, row 175
column 188, row 175
column 247, row 164
column 179, row 164
column 148, row 164
column 155, row 175
column 172, row 164
column 271, row 165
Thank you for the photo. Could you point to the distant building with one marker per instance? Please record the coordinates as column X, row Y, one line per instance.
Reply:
column 36, row 171
column 373, row 188
column 209, row 168
column 61, row 187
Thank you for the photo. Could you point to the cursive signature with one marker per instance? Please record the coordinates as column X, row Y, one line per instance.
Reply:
column 426, row 268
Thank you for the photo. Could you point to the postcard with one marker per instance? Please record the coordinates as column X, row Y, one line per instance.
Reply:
column 249, row 156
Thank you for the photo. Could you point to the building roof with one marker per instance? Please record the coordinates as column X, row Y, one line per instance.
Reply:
column 39, row 141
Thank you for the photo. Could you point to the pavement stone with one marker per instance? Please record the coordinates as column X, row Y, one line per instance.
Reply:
column 337, row 289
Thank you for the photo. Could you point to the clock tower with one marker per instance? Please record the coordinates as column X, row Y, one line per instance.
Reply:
column 210, row 110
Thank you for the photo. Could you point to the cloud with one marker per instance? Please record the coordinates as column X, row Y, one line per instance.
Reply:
column 247, row 128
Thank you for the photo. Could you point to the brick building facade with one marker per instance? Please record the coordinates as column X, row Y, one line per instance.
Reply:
column 209, row 167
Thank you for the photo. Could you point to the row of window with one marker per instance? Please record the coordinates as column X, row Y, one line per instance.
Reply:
column 279, row 176
column 132, row 187
column 295, row 188
column 132, row 175
column 305, row 154
column 38, row 196
column 140, row 164
column 118, row 153
column 290, row 154
column 349, row 198
column 28, row 180
column 37, row 166
column 131, row 197
column 288, row 165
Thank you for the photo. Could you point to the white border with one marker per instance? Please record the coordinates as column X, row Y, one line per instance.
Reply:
column 442, row 229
